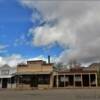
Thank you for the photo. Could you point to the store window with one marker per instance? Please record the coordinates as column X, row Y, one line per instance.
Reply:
column 5, row 72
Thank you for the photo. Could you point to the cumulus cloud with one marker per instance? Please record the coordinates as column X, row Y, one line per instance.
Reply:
column 77, row 26
column 15, row 59
column 46, row 35
column 12, row 60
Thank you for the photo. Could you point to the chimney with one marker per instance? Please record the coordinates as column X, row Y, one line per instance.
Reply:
column 49, row 59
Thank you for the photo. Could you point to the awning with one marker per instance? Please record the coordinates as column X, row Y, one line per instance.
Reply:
column 32, row 73
column 5, row 76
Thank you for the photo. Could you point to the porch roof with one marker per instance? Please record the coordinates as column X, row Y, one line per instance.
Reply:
column 32, row 73
column 5, row 76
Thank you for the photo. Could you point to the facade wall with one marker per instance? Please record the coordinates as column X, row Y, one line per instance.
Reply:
column 75, row 80
column 38, row 72
column 33, row 81
column 35, row 67
column 9, row 85
column 6, row 74
column 78, row 77
column 13, row 86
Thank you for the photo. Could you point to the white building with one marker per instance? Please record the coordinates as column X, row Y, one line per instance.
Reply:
column 7, row 78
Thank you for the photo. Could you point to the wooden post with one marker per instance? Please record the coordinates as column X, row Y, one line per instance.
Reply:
column 18, row 82
column 64, row 81
column 74, row 80
column 96, row 80
column 15, row 82
column 51, row 81
column 89, row 80
column 57, row 82
column 22, row 81
column 1, row 82
column 10, row 83
column 81, row 81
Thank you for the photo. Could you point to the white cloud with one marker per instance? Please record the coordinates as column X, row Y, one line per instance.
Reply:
column 48, row 35
column 3, row 48
column 12, row 60
column 40, row 57
column 77, row 27
column 15, row 59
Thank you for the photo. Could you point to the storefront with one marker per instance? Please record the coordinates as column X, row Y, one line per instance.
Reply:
column 7, row 77
column 34, row 74
column 75, row 78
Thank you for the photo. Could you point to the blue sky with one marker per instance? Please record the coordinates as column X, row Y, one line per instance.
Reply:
column 15, row 21
column 66, row 30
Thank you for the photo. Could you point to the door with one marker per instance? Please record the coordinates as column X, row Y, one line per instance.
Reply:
column 4, row 82
column 34, row 81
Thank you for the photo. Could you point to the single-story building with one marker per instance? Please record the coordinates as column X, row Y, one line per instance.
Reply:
column 75, row 77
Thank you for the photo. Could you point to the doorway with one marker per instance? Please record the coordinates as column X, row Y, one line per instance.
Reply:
column 4, row 82
column 85, row 79
column 34, row 81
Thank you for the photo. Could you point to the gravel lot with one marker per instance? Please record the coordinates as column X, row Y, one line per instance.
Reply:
column 55, row 94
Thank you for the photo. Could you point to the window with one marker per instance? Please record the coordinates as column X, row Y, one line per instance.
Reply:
column 77, row 78
column 44, row 79
column 5, row 72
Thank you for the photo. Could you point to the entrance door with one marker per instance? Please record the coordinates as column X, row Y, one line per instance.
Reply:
column 85, row 80
column 4, row 82
column 34, row 81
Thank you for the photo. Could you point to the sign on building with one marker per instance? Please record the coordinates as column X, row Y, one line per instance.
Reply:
column 64, row 79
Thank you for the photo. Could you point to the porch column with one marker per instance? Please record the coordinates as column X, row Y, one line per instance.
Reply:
column 96, row 80
column 74, row 79
column 1, row 83
column 81, row 81
column 64, row 81
column 17, row 82
column 89, row 80
column 51, row 80
column 10, row 83
column 57, row 81
column 22, row 81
